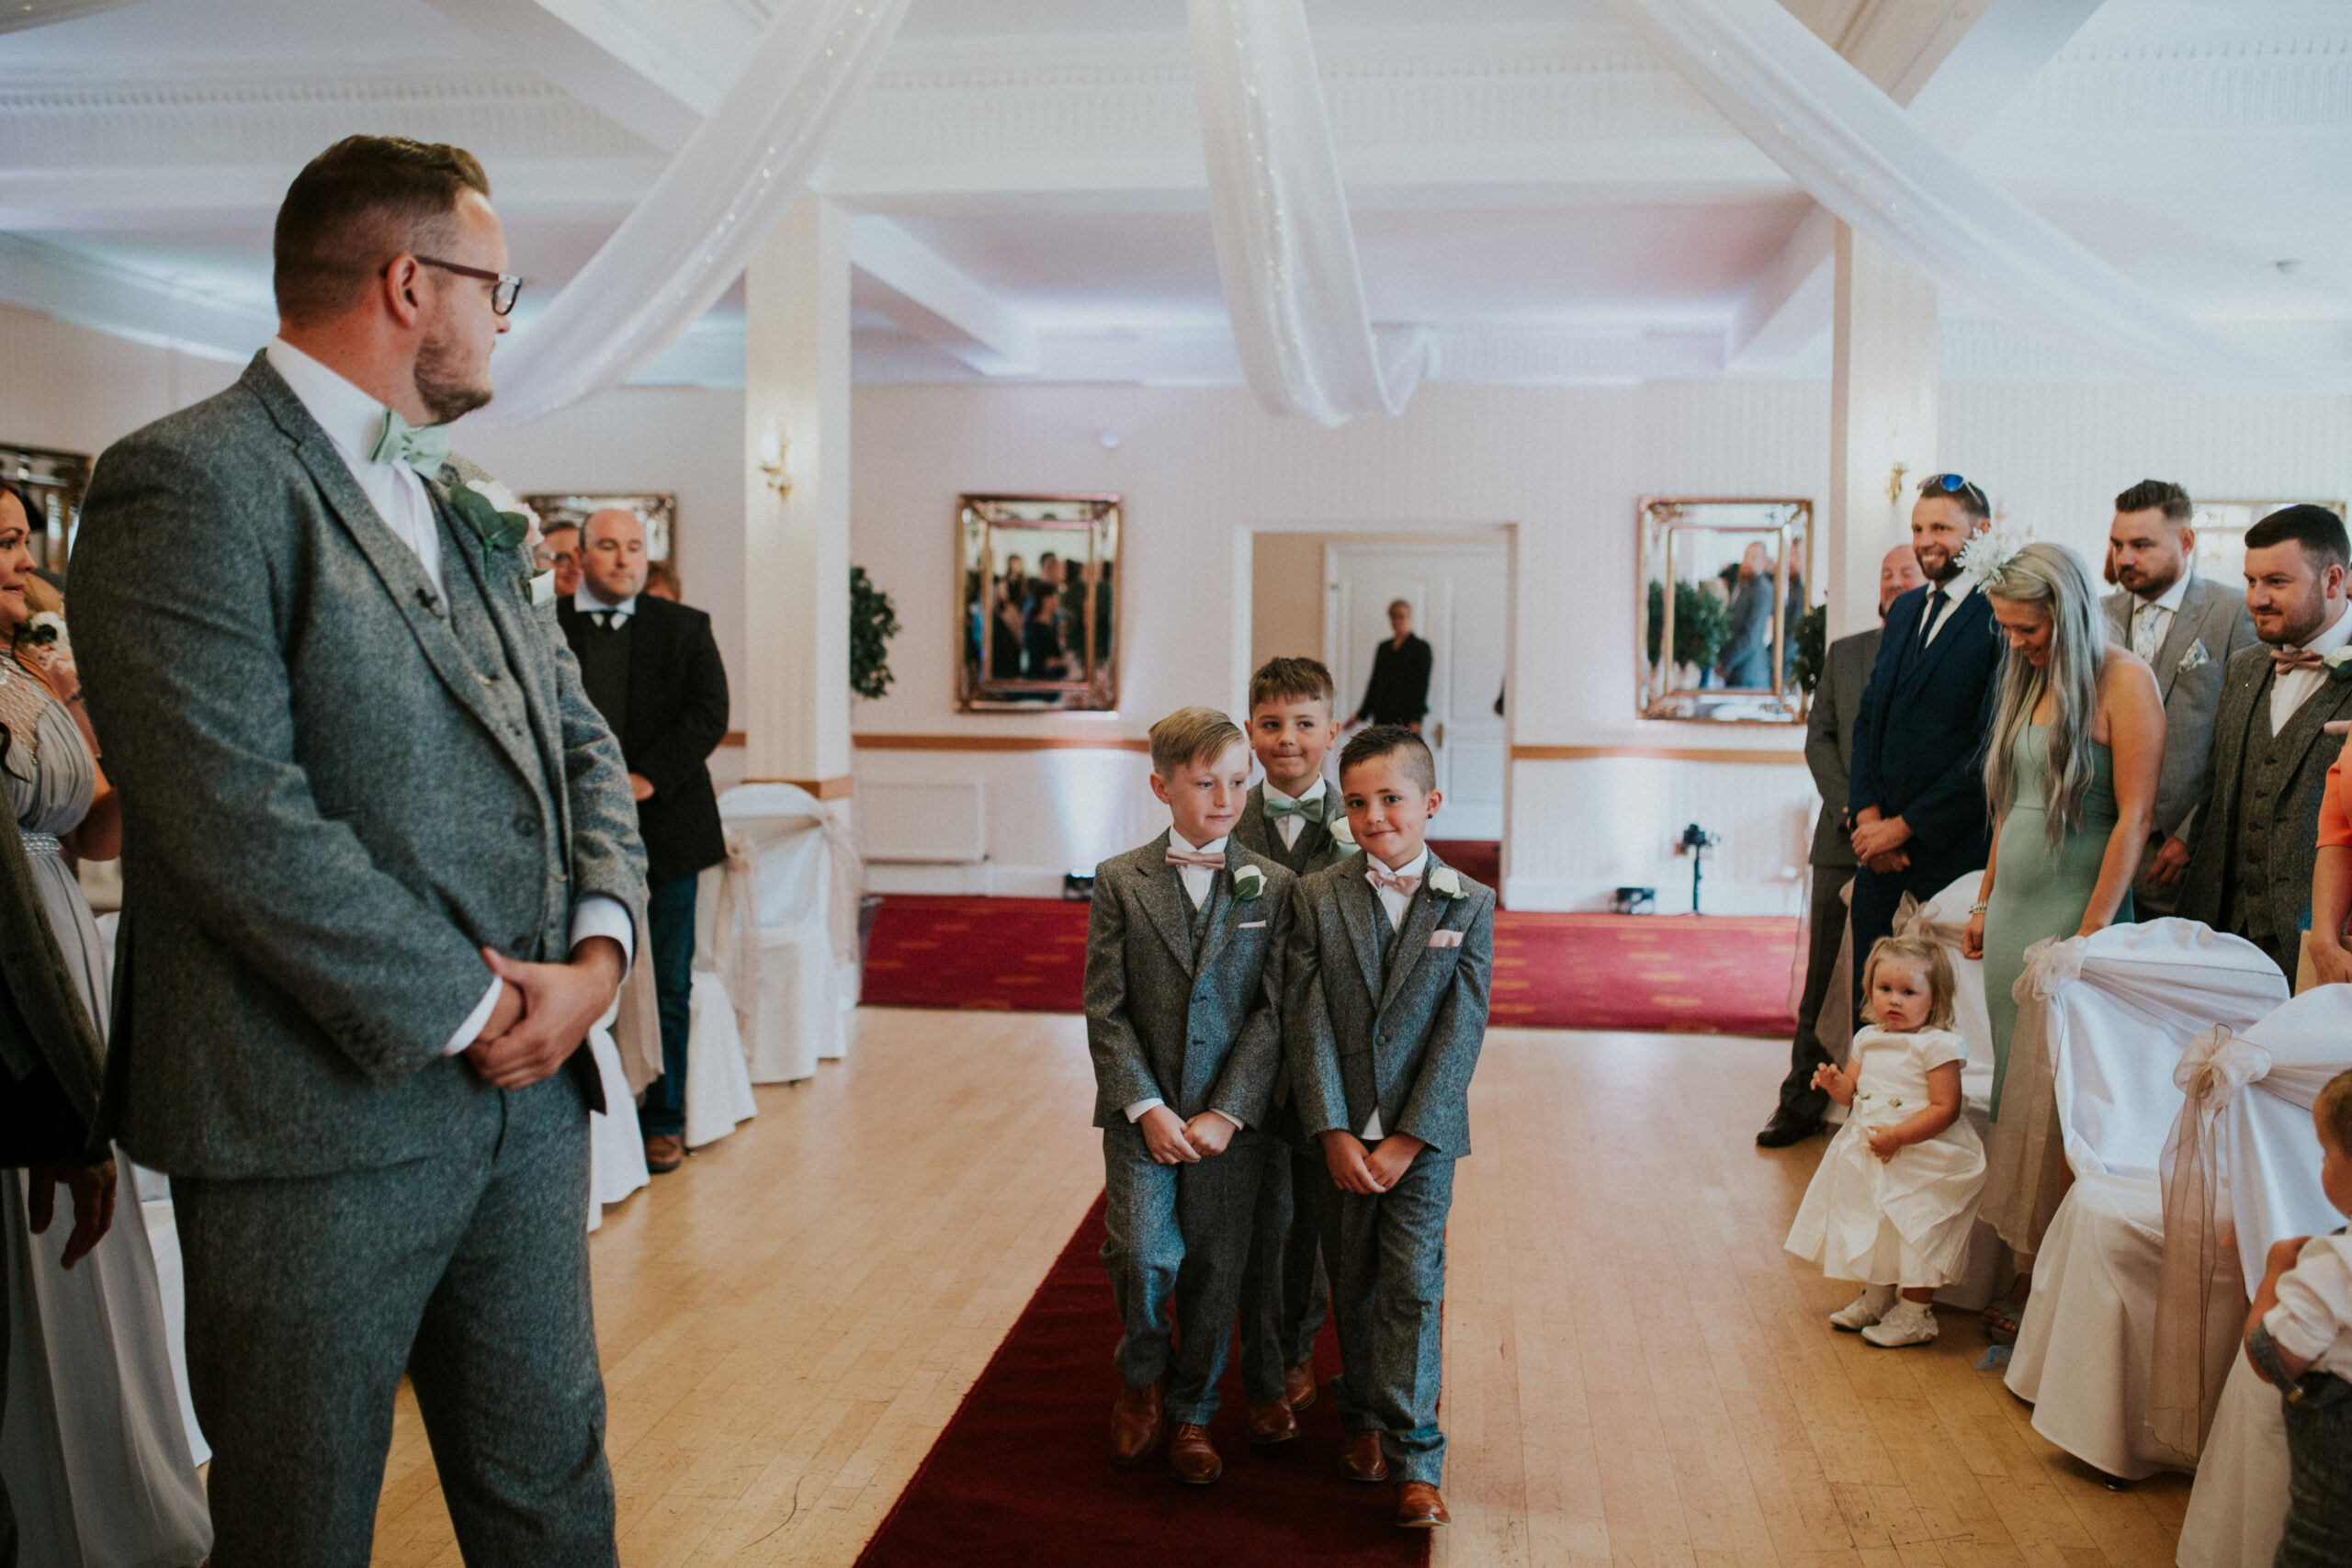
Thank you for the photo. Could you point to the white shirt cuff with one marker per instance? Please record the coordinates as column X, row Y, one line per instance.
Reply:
column 1237, row 1123
column 1135, row 1111
column 470, row 1031
column 601, row 914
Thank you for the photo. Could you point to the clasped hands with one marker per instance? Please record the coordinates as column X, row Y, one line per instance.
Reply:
column 543, row 1012
column 1878, row 841
column 1174, row 1141
column 1369, row 1171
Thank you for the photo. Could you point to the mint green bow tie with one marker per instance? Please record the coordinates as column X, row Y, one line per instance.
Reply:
column 1310, row 809
column 424, row 450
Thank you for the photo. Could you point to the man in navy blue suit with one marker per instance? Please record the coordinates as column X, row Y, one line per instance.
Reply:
column 1915, row 800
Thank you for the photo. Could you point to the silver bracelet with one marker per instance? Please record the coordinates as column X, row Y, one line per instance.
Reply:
column 1979, row 907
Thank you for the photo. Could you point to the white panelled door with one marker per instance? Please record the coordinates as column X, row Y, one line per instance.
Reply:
column 1460, row 599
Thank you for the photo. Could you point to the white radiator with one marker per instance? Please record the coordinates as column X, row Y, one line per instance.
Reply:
column 931, row 824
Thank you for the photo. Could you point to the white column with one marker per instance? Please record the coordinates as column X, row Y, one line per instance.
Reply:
column 1882, row 416
column 796, row 545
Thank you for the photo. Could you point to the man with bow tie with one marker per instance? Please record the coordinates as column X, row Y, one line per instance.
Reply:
column 652, row 669
column 2257, row 823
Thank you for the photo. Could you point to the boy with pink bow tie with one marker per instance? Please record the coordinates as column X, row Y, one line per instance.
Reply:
column 1387, row 966
column 1183, row 951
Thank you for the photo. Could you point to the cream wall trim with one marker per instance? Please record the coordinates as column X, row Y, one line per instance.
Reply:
column 997, row 743
column 1662, row 753
column 840, row 788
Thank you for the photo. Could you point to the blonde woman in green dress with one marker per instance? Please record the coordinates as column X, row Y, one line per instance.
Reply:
column 2069, row 774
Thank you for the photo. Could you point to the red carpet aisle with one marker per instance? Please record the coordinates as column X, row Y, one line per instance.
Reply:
column 1714, row 974
column 1022, row 1473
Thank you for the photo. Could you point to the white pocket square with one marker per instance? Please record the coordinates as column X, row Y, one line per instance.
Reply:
column 2195, row 656
column 1252, row 925
column 1445, row 939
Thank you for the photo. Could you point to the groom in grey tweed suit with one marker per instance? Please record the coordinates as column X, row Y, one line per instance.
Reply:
column 381, row 872
column 1183, row 963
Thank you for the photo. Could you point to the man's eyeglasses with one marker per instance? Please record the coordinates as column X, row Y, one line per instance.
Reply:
column 505, row 287
column 1934, row 484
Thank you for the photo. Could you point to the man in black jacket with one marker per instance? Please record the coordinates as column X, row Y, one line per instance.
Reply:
column 1399, row 690
column 653, row 671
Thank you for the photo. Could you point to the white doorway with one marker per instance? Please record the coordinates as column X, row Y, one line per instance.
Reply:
column 1460, row 599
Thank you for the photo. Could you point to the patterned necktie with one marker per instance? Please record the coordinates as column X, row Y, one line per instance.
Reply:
column 424, row 450
column 1311, row 810
column 2144, row 639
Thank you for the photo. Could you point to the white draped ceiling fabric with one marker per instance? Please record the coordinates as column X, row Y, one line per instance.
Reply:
column 1856, row 152
column 690, row 237
column 1284, row 249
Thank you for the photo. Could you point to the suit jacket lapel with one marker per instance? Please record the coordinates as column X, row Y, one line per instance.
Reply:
column 1359, row 906
column 2187, row 626
column 1422, row 916
column 523, row 646
column 1163, row 903
column 1224, row 905
column 2303, row 727
column 1922, row 658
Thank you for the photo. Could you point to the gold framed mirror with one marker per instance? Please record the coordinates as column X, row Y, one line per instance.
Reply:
column 1038, row 593
column 1721, row 589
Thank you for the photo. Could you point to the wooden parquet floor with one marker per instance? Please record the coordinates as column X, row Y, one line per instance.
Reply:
column 1635, row 1373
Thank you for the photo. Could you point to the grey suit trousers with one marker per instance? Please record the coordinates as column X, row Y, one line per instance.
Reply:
column 1180, row 1230
column 1826, row 937
column 1386, row 1253
column 1284, row 1296
column 308, row 1297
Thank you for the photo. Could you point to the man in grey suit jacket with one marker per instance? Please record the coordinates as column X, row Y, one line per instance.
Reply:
column 381, row 874
column 1183, row 988
column 2187, row 628
column 2256, row 834
column 1846, row 668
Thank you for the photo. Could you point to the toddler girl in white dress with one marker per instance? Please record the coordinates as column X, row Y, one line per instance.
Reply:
column 1895, row 1196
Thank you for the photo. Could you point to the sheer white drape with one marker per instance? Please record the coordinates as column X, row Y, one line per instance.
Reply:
column 1858, row 154
column 688, row 239
column 1284, row 248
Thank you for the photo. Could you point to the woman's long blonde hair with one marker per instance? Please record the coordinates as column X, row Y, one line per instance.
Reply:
column 2053, row 578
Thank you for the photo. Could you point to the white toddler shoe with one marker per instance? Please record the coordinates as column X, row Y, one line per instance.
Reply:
column 1863, row 1310
column 1908, row 1323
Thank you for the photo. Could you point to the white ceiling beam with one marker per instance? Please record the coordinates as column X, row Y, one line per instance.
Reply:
column 1955, row 63
column 53, row 281
column 904, row 279
column 656, row 73
column 86, row 201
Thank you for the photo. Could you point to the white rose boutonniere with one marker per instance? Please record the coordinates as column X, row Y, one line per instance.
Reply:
column 1446, row 883
column 1342, row 835
column 2338, row 663
column 1248, row 883
column 497, row 518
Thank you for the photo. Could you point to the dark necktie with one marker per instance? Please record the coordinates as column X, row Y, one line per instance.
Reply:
column 603, row 620
column 1936, row 603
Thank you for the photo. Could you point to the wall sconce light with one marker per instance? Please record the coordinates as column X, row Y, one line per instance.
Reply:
column 774, row 457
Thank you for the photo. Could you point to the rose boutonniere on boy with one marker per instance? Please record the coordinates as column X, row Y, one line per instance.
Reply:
column 1343, row 838
column 1446, row 883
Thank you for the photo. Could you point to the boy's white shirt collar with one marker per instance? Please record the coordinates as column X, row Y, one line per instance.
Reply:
column 1315, row 791
column 1288, row 828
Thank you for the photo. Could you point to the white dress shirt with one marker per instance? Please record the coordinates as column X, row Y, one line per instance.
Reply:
column 354, row 421
column 2313, row 1318
column 587, row 603
column 1199, row 882
column 2296, row 687
column 1290, row 828
column 1392, row 904
column 1953, row 592
column 2152, row 618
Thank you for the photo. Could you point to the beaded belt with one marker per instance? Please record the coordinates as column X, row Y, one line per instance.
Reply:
column 41, row 843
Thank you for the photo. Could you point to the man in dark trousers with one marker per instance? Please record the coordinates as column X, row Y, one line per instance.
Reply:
column 1829, row 751
column 1915, row 804
column 653, row 671
column 1399, row 690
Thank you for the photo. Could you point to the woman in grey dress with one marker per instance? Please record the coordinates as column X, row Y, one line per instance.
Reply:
column 92, row 1440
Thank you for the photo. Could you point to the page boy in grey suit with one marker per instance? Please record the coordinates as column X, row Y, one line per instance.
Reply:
column 381, row 873
column 1183, row 985
column 2187, row 627
column 1289, row 818
column 1389, row 958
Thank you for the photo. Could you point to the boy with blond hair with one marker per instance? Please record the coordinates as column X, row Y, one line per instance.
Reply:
column 1294, row 817
column 1183, row 981
column 1388, row 960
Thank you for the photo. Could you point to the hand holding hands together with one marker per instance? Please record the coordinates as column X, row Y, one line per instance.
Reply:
column 544, row 1012
column 1167, row 1136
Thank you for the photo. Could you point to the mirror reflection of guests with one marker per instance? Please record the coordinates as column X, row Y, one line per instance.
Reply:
column 1398, row 692
column 1006, row 629
column 98, row 1465
column 1044, row 656
column 1745, row 662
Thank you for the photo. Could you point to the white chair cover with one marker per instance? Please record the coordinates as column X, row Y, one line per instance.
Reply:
column 2102, row 1020
column 808, row 890
column 718, row 1079
column 616, row 1148
column 1989, row 1265
column 2269, row 1165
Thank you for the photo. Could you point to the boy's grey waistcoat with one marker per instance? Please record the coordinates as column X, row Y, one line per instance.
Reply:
column 1316, row 847
column 1402, row 1037
column 1201, row 1035
column 336, row 788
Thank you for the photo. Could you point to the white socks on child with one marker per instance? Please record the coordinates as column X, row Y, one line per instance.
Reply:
column 1863, row 1310
column 1906, row 1323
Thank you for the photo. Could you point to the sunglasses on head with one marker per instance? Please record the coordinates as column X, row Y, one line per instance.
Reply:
column 1952, row 484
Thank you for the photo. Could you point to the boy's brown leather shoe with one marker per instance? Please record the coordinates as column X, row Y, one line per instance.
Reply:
column 1419, row 1508
column 1135, row 1423
column 1360, row 1460
column 1298, row 1385
column 1270, row 1421
column 1193, row 1457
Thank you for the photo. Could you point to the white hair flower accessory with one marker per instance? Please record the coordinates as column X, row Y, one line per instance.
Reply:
column 1989, row 555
